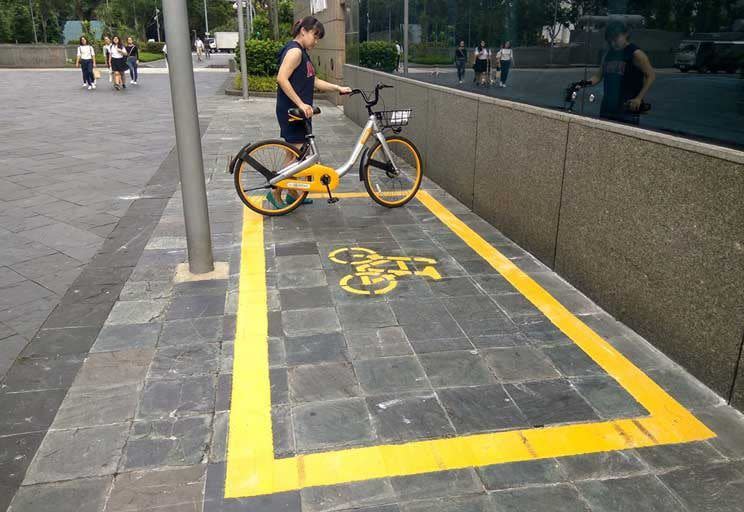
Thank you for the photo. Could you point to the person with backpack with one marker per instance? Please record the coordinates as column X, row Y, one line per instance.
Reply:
column 297, row 81
column 461, row 56
column 86, row 59
column 627, row 74
column 132, row 59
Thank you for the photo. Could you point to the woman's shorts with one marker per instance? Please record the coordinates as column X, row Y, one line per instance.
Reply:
column 480, row 65
column 291, row 132
column 119, row 64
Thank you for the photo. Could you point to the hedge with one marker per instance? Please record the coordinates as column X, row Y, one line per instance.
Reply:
column 261, row 57
column 256, row 83
column 380, row 55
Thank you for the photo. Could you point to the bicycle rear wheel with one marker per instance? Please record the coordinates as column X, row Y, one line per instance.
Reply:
column 261, row 162
column 388, row 187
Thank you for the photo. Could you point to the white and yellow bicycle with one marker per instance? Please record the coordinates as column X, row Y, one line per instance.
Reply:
column 273, row 177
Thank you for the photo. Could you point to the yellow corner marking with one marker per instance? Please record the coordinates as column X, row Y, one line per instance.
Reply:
column 373, row 273
column 252, row 469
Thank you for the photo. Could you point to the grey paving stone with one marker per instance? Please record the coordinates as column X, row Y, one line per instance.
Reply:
column 279, row 386
column 277, row 353
column 391, row 375
column 684, row 387
column 679, row 455
column 571, row 361
column 10, row 348
column 16, row 453
column 297, row 263
column 728, row 424
column 306, row 279
column 554, row 498
column 710, row 488
column 481, row 409
column 412, row 312
column 108, row 368
column 340, row 497
column 465, row 309
column 181, row 397
column 312, row 383
column 509, row 339
column 207, row 287
column 493, row 284
column 521, row 474
column 282, row 430
column 191, row 331
column 38, row 373
column 457, row 504
column 31, row 411
column 167, row 442
column 636, row 494
column 156, row 490
column 518, row 364
column 608, row 397
column 600, row 466
column 441, row 484
column 136, row 312
column 78, row 453
column 316, row 348
column 549, row 402
column 224, row 392
column 331, row 424
column 458, row 368
column 80, row 495
column 304, row 298
column 195, row 306
column 8, row 277
column 22, row 292
column 126, row 336
column 185, row 361
column 542, row 332
column 441, row 345
column 74, row 340
column 452, row 286
column 365, row 316
column 93, row 406
column 296, row 248
column 78, row 315
column 308, row 321
column 427, row 331
column 382, row 342
column 218, row 442
column 400, row 418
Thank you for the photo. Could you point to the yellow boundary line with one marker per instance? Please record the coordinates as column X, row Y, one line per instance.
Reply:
column 252, row 469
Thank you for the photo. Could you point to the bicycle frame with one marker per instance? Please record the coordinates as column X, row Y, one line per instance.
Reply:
column 313, row 155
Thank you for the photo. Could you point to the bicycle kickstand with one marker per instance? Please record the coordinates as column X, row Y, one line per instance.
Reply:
column 325, row 180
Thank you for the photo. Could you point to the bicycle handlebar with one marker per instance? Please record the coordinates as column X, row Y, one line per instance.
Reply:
column 371, row 103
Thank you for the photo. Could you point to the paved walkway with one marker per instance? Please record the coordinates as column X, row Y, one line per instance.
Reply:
column 462, row 388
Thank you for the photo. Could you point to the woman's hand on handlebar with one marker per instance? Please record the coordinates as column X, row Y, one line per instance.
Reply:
column 307, row 110
column 344, row 90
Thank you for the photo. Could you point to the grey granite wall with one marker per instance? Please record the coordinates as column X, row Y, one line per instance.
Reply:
column 35, row 56
column 649, row 226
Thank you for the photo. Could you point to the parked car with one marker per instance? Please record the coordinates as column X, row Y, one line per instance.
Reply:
column 211, row 44
column 705, row 56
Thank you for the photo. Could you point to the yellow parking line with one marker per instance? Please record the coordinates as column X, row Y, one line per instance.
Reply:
column 252, row 469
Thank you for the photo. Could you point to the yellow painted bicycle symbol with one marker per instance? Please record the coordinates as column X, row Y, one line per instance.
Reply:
column 375, row 274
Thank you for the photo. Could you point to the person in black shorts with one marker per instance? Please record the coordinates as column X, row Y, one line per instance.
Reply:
column 627, row 74
column 297, row 81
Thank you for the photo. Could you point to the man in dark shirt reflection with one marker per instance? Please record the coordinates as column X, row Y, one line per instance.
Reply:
column 627, row 74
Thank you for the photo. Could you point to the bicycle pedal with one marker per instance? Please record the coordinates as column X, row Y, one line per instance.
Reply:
column 332, row 200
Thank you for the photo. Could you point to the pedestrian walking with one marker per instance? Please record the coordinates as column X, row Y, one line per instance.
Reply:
column 132, row 59
column 118, row 58
column 505, row 58
column 297, row 82
column 627, row 74
column 482, row 55
column 107, row 56
column 199, row 44
column 399, row 53
column 86, row 59
column 165, row 53
column 461, row 57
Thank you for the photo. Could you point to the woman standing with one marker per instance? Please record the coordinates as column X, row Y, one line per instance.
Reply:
column 482, row 54
column 86, row 59
column 297, row 81
column 107, row 55
column 505, row 57
column 132, row 59
column 118, row 62
column 461, row 56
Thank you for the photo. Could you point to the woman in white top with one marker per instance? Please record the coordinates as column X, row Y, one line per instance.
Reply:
column 482, row 54
column 86, row 59
column 505, row 58
column 118, row 62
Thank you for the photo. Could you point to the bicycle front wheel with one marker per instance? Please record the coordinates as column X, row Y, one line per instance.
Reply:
column 262, row 161
column 389, row 187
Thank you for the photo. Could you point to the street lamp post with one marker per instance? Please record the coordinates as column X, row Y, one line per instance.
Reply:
column 188, row 138
column 241, row 44
column 206, row 19
column 33, row 23
column 405, row 37
column 157, row 21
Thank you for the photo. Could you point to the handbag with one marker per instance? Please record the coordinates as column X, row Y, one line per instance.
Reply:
column 96, row 73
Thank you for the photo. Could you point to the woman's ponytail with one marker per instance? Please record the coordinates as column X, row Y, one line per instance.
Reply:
column 308, row 23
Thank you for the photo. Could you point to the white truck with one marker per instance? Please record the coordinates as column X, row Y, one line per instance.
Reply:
column 226, row 41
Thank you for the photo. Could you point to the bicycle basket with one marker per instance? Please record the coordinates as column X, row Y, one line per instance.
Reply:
column 394, row 118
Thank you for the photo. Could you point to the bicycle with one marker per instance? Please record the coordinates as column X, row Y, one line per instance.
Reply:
column 273, row 177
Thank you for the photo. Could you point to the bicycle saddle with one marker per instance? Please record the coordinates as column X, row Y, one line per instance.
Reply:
column 295, row 114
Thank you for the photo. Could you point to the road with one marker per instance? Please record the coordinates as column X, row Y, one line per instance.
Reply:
column 707, row 107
